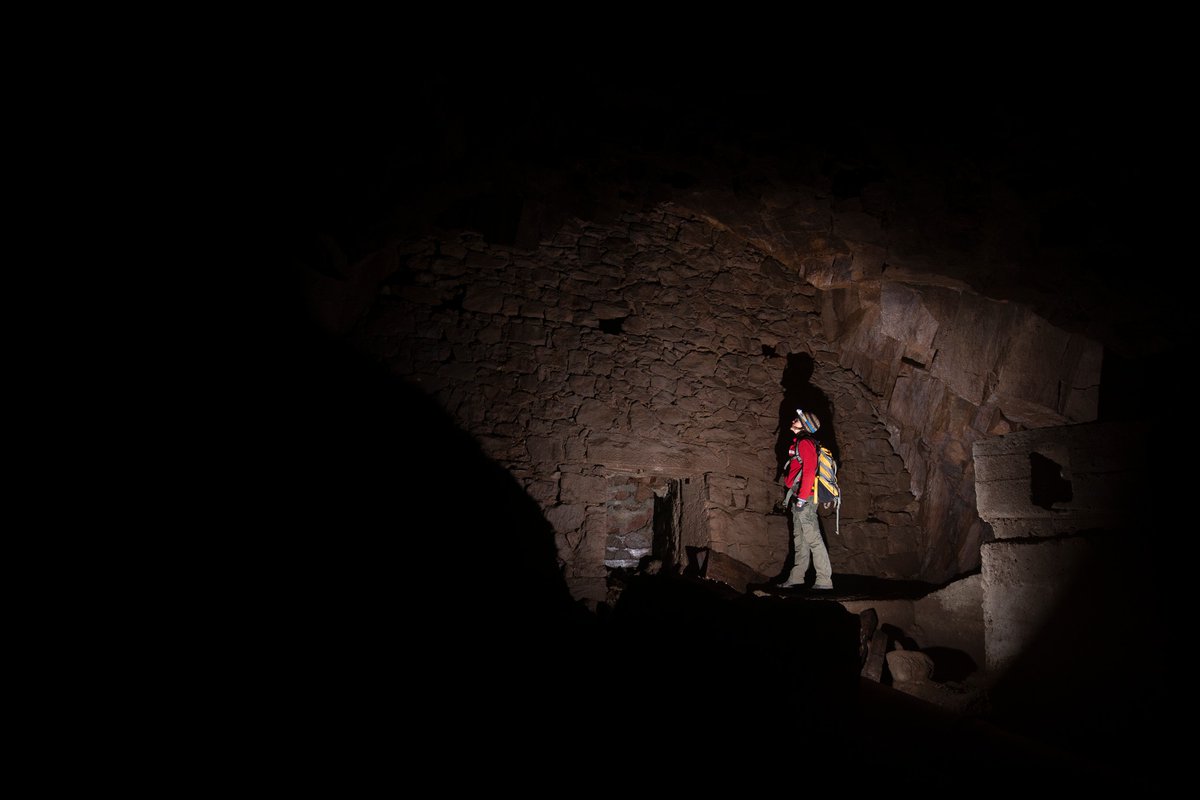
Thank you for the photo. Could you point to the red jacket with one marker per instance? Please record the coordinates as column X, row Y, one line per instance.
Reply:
column 804, row 447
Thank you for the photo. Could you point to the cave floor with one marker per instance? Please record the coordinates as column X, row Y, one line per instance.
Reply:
column 851, row 587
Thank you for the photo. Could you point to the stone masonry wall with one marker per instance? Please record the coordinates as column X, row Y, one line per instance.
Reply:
column 657, row 343
column 653, row 345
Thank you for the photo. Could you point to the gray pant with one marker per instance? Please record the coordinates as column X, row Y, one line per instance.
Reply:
column 807, row 541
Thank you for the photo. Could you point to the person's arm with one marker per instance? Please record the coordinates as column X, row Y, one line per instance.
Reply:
column 808, row 452
column 793, row 467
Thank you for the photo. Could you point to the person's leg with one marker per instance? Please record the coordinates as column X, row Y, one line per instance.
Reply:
column 800, row 548
column 820, row 557
column 811, row 528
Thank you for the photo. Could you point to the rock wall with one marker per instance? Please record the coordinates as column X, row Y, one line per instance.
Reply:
column 1078, row 601
column 948, row 619
column 660, row 344
column 1056, row 481
column 942, row 365
column 950, row 368
column 654, row 346
column 1058, row 500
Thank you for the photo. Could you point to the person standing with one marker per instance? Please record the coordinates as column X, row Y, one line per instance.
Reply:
column 800, row 478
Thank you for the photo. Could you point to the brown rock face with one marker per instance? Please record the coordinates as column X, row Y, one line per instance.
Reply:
column 606, row 322
column 579, row 370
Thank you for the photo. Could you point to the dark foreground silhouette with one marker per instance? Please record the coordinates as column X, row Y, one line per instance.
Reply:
column 406, row 589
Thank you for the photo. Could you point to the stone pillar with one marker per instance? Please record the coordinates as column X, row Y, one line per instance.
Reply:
column 1059, row 502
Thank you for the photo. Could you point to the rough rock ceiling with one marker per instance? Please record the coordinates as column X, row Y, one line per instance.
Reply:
column 1050, row 189
column 1038, row 195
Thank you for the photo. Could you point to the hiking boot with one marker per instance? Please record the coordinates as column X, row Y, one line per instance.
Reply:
column 822, row 586
column 791, row 585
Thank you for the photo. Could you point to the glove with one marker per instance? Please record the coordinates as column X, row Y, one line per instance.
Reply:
column 800, row 502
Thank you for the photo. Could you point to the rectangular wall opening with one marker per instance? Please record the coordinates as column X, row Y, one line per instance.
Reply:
column 651, row 518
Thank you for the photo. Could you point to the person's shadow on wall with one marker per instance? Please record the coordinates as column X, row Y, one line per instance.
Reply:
column 798, row 392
